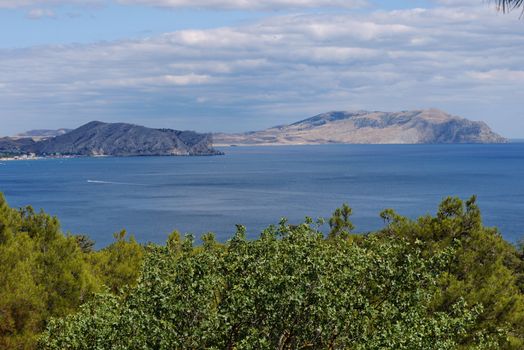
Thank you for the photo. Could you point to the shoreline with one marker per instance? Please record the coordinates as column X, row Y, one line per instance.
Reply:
column 35, row 157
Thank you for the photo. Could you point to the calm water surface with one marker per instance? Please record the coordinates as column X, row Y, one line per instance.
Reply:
column 256, row 186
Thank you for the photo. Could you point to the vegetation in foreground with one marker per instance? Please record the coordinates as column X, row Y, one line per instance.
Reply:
column 46, row 274
column 439, row 282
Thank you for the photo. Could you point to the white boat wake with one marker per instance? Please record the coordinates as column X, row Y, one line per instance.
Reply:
column 113, row 183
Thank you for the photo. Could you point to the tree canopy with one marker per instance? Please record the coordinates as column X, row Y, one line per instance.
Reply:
column 45, row 273
column 290, row 289
column 437, row 282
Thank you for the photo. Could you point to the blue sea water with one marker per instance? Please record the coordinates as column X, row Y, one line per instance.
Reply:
column 256, row 186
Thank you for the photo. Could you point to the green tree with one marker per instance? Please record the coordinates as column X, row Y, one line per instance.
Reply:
column 85, row 243
column 485, row 269
column 438, row 282
column 43, row 274
column 290, row 289
column 22, row 297
column 60, row 265
column 118, row 265
column 340, row 223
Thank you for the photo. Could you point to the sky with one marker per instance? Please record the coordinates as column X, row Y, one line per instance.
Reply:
column 239, row 65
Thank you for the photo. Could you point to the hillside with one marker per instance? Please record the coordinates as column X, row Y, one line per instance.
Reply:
column 15, row 146
column 363, row 127
column 117, row 139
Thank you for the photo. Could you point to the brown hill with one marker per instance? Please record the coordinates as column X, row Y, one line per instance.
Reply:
column 362, row 127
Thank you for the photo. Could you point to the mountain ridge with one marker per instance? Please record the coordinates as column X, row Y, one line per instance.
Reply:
column 114, row 139
column 369, row 127
column 97, row 138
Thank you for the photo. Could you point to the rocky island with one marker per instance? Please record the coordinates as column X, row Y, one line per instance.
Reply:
column 361, row 127
column 111, row 139
column 364, row 127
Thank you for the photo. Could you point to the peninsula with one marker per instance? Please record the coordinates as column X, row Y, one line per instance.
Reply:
column 364, row 127
column 111, row 139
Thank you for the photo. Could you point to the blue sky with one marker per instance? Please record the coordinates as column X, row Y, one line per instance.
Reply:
column 43, row 24
column 237, row 65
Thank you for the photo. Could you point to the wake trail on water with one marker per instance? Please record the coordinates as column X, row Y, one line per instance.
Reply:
column 100, row 182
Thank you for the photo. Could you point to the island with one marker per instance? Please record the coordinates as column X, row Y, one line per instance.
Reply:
column 364, row 127
column 109, row 139
column 429, row 126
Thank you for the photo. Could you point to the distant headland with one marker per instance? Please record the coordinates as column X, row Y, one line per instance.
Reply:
column 107, row 139
column 364, row 127
column 96, row 138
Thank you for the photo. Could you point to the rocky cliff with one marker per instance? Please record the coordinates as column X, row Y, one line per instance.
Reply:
column 363, row 127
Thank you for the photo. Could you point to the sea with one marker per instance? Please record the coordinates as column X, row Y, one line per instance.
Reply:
column 257, row 186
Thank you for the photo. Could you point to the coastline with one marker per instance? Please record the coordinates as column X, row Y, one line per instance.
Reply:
column 34, row 157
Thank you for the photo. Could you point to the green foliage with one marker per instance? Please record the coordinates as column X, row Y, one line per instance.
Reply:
column 438, row 282
column 290, row 289
column 485, row 269
column 22, row 297
column 340, row 224
column 85, row 243
column 44, row 273
column 118, row 264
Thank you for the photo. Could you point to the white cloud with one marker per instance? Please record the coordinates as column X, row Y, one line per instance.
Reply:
column 40, row 13
column 248, row 4
column 505, row 76
column 468, row 61
column 457, row 3
column 214, row 4
column 159, row 81
column 31, row 3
